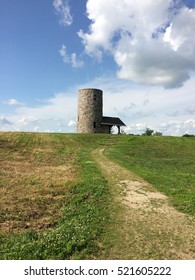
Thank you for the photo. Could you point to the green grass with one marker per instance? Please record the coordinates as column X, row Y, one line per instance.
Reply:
column 56, row 201
column 77, row 232
column 166, row 162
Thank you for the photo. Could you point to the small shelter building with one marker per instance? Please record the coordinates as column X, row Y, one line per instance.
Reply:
column 108, row 122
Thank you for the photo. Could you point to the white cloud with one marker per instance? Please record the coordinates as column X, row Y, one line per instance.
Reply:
column 13, row 102
column 178, row 127
column 59, row 106
column 144, row 106
column 70, row 59
column 72, row 123
column 64, row 54
column 152, row 42
column 174, row 128
column 52, row 115
column 4, row 121
column 62, row 8
column 44, row 124
column 76, row 63
column 169, row 111
column 137, row 128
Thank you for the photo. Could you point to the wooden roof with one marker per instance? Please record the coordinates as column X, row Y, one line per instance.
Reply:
column 112, row 121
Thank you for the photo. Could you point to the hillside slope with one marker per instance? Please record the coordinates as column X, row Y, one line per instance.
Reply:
column 148, row 226
column 57, row 203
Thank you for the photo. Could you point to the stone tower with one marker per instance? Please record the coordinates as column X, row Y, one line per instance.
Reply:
column 89, row 110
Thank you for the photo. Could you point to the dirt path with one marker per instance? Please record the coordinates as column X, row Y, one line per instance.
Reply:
column 147, row 226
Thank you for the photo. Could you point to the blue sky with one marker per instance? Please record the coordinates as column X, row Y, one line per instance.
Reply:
column 142, row 55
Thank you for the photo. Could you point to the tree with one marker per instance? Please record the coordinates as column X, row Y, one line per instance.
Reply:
column 157, row 133
column 148, row 132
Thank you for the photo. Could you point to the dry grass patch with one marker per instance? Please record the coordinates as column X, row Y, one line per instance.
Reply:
column 32, row 197
column 33, row 189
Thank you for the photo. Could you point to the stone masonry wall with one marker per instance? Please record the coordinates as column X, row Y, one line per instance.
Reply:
column 89, row 111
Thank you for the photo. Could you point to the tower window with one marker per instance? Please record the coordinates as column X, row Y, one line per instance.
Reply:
column 94, row 98
column 94, row 125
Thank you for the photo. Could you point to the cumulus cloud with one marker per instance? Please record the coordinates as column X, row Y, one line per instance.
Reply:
column 52, row 115
column 42, row 124
column 60, row 106
column 174, row 128
column 70, row 58
column 178, row 127
column 169, row 111
column 152, row 42
column 62, row 8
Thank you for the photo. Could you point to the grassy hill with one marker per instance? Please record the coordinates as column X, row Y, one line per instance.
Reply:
column 166, row 162
column 55, row 202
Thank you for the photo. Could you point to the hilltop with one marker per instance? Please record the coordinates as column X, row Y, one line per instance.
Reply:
column 71, row 196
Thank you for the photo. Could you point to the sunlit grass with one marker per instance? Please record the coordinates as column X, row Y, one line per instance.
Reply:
column 166, row 162
column 55, row 202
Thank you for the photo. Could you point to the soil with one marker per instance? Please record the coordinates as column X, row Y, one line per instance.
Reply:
column 148, row 226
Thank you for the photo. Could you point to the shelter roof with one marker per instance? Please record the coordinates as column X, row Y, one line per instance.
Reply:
column 112, row 121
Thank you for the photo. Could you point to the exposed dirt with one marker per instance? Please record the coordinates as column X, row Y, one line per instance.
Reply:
column 149, row 226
